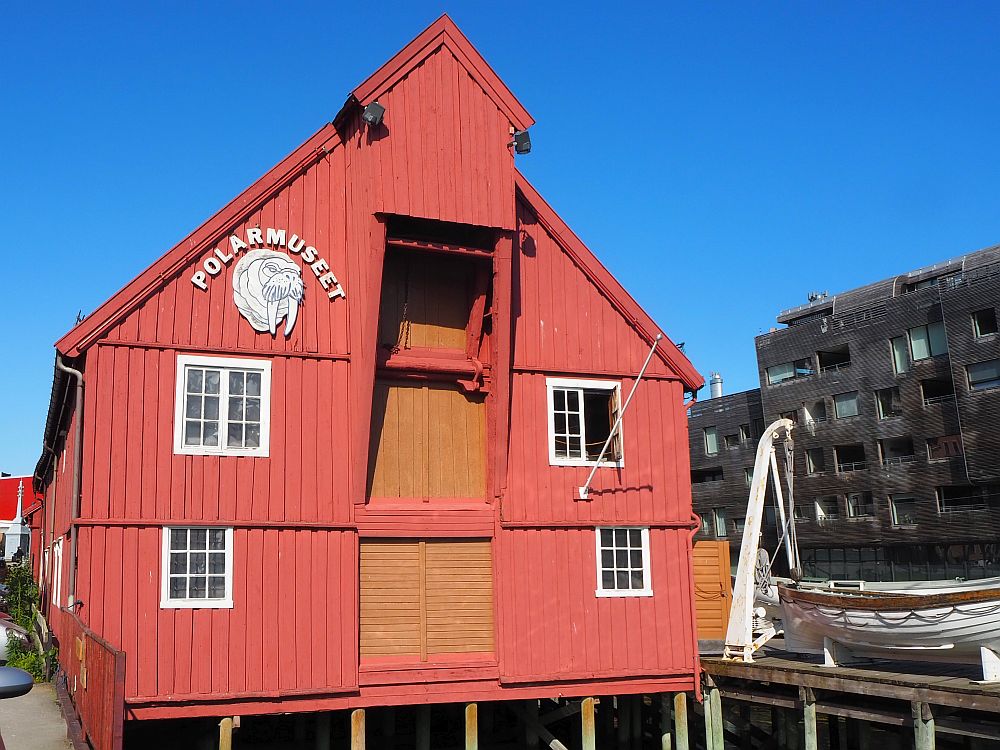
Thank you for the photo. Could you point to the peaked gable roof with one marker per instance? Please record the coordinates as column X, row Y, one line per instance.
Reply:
column 443, row 32
column 608, row 285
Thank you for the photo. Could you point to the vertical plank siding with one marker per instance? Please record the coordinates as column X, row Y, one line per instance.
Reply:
column 505, row 551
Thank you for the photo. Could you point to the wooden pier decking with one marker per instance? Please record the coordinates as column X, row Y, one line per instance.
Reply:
column 941, row 702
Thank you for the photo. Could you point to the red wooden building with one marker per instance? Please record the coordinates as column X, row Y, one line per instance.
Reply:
column 325, row 453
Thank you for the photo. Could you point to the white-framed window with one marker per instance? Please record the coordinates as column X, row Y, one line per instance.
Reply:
column 582, row 414
column 223, row 406
column 623, row 561
column 197, row 568
column 984, row 322
column 846, row 405
column 903, row 510
column 57, row 572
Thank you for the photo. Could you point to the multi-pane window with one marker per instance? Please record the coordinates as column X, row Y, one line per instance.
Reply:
column 197, row 567
column 800, row 368
column 222, row 406
column 623, row 562
column 815, row 461
column 984, row 322
column 745, row 433
column 827, row 507
column 582, row 414
column 719, row 521
column 983, row 375
column 888, row 402
column 928, row 341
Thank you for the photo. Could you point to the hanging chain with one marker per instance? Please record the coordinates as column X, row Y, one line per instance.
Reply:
column 403, row 339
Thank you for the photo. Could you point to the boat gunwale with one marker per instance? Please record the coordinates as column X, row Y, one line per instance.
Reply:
column 886, row 600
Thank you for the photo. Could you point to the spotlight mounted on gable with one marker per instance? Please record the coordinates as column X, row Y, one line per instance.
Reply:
column 373, row 114
column 521, row 142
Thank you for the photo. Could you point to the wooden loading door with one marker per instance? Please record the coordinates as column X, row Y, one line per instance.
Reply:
column 713, row 589
column 421, row 599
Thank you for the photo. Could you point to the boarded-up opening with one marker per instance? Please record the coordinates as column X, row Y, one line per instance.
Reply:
column 422, row 598
column 428, row 441
column 713, row 589
column 427, row 300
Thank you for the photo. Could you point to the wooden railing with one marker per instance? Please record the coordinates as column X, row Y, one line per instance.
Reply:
column 95, row 681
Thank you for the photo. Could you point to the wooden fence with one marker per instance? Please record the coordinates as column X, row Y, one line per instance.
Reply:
column 95, row 681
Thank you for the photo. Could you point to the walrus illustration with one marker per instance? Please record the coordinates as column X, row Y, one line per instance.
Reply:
column 267, row 286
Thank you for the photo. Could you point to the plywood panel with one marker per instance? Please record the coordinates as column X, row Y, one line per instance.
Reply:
column 428, row 441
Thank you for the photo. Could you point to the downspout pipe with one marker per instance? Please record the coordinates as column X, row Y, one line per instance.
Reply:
column 77, row 470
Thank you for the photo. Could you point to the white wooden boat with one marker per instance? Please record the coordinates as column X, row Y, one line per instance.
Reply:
column 954, row 621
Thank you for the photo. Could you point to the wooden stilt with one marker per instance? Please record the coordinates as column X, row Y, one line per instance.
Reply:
column 471, row 727
column 388, row 722
column 666, row 724
column 423, row 728
column 808, row 699
column 833, row 731
column 923, row 726
column 778, row 727
column 226, row 734
column 636, row 704
column 530, row 733
column 746, row 740
column 864, row 731
column 486, row 716
column 323, row 730
column 681, row 721
column 606, row 720
column 588, row 727
column 713, row 719
column 624, row 722
column 358, row 729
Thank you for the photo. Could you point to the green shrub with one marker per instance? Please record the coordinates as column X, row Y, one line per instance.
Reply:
column 22, row 595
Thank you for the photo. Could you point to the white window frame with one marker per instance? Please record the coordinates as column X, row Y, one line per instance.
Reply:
column 57, row 547
column 599, row 385
column 166, row 602
column 222, row 363
column 646, row 579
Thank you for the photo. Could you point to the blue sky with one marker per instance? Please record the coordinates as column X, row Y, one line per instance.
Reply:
column 722, row 159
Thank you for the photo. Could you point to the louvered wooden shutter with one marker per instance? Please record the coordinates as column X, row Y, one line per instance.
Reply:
column 459, row 584
column 422, row 598
column 390, row 598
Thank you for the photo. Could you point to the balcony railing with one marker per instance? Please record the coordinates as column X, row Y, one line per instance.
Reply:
column 835, row 368
column 938, row 399
column 897, row 460
column 850, row 466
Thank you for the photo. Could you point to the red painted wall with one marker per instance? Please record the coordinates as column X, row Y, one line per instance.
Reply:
column 290, row 641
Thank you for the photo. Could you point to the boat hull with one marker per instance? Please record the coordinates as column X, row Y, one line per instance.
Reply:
column 952, row 626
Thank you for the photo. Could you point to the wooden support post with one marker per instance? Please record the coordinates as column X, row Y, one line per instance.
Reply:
column 588, row 729
column 808, row 699
column 681, row 721
column 388, row 721
column 358, row 729
column 624, row 722
column 323, row 730
column 226, row 734
column 423, row 728
column 713, row 718
column 666, row 740
column 636, row 703
column 530, row 734
column 923, row 726
column 833, row 731
column 746, row 741
column 864, row 733
column 471, row 727
column 606, row 720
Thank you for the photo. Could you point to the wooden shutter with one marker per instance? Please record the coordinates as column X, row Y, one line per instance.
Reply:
column 459, row 580
column 422, row 598
column 713, row 590
column 428, row 441
column 390, row 598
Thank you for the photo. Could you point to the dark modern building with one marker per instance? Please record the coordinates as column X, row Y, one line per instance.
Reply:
column 895, row 387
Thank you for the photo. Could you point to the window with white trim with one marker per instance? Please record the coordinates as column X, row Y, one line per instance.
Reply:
column 223, row 406
column 197, row 567
column 582, row 414
column 623, row 561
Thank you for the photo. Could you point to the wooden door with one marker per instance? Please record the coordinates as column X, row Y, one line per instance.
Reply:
column 423, row 598
column 713, row 588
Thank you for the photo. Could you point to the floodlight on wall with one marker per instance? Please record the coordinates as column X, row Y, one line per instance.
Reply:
column 373, row 114
column 521, row 142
